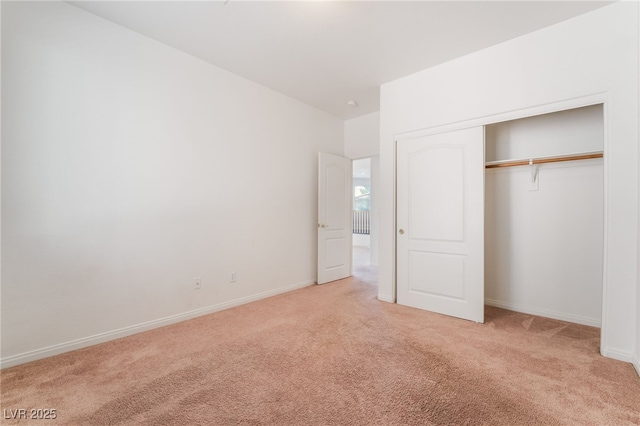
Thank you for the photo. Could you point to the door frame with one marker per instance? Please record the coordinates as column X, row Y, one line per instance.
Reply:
column 572, row 103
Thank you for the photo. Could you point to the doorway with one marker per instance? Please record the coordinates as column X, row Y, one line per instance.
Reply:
column 361, row 215
column 365, row 219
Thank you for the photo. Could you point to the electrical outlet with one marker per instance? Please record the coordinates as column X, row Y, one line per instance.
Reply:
column 232, row 279
column 198, row 284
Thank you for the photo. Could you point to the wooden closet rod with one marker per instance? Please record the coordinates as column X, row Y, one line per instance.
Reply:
column 509, row 163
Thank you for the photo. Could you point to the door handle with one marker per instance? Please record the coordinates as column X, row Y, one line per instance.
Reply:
column 401, row 231
column 323, row 225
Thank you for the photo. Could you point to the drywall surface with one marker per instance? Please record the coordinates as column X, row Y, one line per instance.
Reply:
column 636, row 357
column 544, row 247
column 362, row 136
column 567, row 132
column 591, row 56
column 129, row 169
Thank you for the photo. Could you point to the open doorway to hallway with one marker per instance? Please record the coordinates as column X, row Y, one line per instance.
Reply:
column 364, row 262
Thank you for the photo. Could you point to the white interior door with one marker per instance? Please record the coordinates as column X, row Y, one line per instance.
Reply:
column 334, row 217
column 440, row 223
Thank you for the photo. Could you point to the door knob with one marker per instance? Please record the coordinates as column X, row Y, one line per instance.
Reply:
column 401, row 231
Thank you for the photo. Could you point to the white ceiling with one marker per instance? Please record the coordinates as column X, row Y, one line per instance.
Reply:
column 324, row 53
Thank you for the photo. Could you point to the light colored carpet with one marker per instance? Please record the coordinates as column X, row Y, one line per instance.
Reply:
column 334, row 354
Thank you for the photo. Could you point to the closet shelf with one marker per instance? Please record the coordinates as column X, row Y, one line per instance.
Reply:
column 541, row 160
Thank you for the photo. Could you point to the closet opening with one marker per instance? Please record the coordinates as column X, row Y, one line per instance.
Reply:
column 544, row 215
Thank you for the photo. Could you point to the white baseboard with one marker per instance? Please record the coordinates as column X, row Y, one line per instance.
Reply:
column 84, row 342
column 544, row 313
column 616, row 354
column 386, row 298
column 636, row 363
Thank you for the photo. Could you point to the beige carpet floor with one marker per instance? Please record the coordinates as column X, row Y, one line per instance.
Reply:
column 334, row 354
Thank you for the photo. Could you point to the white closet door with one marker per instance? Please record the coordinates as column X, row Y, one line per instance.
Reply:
column 440, row 225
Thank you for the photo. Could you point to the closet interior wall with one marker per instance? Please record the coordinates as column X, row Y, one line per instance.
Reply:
column 544, row 223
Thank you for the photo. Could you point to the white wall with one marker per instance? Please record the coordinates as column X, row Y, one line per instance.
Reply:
column 362, row 136
column 567, row 132
column 544, row 248
column 636, row 358
column 362, row 240
column 362, row 140
column 593, row 55
column 130, row 168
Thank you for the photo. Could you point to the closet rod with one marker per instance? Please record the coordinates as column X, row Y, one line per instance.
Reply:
column 512, row 163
